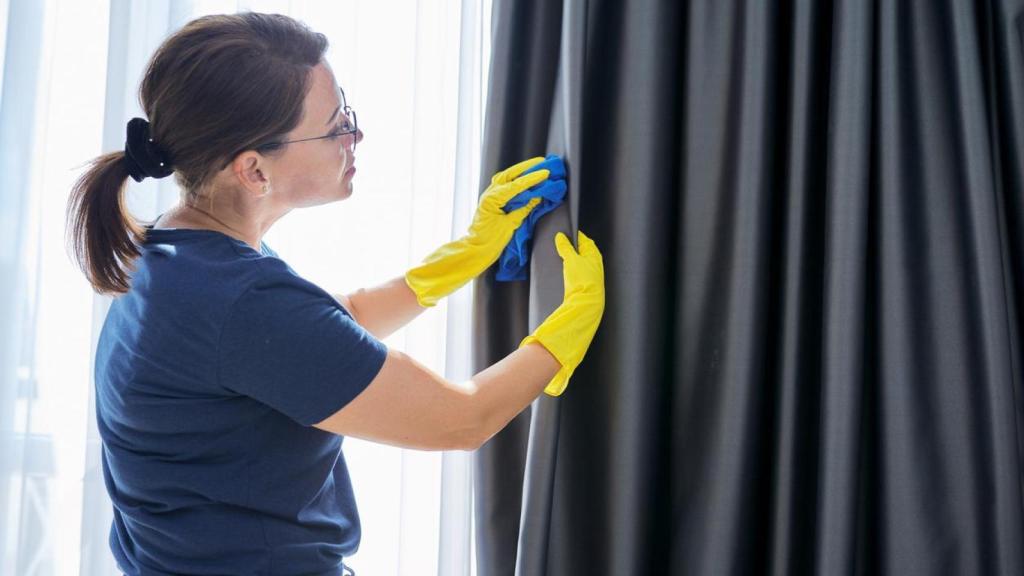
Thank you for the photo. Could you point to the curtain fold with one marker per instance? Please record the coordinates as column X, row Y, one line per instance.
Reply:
column 525, row 40
column 812, row 220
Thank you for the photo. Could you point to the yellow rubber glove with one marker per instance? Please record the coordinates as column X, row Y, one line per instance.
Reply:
column 568, row 331
column 448, row 268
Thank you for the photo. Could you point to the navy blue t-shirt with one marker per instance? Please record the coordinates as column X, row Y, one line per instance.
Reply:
column 209, row 375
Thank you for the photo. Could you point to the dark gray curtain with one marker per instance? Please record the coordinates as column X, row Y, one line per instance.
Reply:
column 812, row 221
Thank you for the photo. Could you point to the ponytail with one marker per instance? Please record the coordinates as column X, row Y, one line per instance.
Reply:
column 103, row 236
column 198, row 92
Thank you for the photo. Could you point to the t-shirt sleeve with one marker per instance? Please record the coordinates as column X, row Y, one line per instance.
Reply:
column 291, row 346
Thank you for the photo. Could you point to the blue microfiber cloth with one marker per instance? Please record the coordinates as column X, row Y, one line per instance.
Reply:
column 515, row 257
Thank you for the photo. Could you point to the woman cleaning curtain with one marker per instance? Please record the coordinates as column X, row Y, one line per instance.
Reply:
column 225, row 382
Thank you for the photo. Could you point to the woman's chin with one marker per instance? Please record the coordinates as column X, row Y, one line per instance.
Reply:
column 346, row 181
column 347, row 189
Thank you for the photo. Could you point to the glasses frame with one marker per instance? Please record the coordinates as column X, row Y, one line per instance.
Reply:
column 273, row 145
column 345, row 109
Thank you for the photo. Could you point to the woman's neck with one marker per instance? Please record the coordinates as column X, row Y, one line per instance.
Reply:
column 195, row 218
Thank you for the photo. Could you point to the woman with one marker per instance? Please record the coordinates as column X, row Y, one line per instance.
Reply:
column 225, row 381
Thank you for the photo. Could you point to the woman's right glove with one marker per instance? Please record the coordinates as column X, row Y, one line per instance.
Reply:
column 568, row 331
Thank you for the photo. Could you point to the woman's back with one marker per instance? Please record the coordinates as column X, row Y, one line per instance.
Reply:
column 207, row 386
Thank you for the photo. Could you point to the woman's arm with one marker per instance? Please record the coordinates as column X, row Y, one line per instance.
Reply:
column 410, row 406
column 383, row 309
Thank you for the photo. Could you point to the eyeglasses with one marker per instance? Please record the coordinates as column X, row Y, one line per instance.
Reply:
column 348, row 125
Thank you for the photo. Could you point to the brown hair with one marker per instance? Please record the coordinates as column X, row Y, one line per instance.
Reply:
column 219, row 86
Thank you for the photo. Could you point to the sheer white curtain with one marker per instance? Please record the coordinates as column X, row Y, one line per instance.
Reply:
column 414, row 71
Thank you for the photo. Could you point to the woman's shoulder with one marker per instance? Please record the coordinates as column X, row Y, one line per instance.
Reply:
column 209, row 262
column 204, row 263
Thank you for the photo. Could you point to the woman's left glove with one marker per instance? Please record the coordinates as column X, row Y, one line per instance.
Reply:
column 448, row 268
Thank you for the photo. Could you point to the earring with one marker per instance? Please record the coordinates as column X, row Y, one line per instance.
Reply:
column 266, row 190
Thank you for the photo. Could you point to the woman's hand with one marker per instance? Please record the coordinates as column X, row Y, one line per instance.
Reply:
column 490, row 218
column 452, row 265
column 568, row 331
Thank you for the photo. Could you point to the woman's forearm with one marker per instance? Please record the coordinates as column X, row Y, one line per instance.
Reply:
column 504, row 389
column 385, row 308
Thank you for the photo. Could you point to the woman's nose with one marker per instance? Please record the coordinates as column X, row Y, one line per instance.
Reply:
column 359, row 135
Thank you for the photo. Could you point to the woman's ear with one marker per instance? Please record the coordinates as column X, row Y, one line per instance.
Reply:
column 248, row 169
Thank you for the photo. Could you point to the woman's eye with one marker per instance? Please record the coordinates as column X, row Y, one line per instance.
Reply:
column 340, row 130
